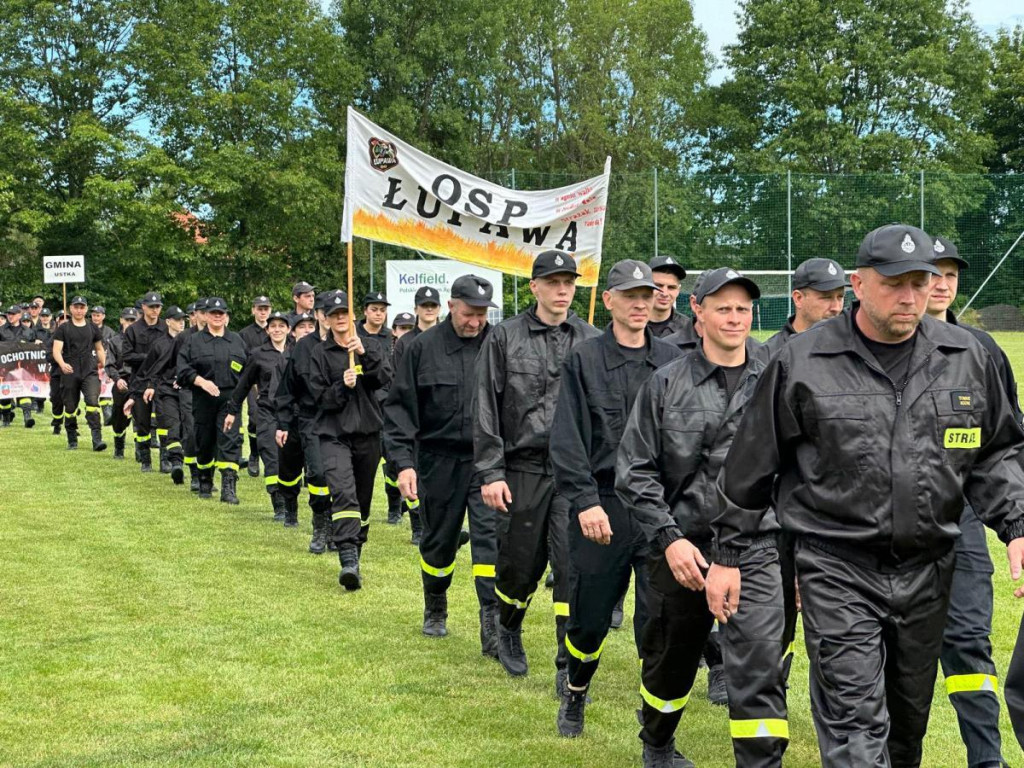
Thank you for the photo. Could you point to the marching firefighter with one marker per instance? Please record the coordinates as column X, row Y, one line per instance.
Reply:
column 682, row 424
column 137, row 340
column 600, row 381
column 211, row 363
column 872, row 426
column 118, row 375
column 156, row 384
column 429, row 437
column 254, row 335
column 348, row 427
column 77, row 345
column 282, row 482
column 517, row 387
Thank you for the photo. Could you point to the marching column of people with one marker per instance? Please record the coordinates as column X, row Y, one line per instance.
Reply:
column 847, row 466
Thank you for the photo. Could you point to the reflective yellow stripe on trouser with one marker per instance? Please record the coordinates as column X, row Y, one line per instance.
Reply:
column 483, row 571
column 389, row 481
column 346, row 514
column 586, row 658
column 971, row 684
column 771, row 728
column 270, row 479
column 318, row 490
column 290, row 483
column 666, row 706
column 560, row 609
column 226, row 465
column 438, row 572
column 205, row 466
column 521, row 604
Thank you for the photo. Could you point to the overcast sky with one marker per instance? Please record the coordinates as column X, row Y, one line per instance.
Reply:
column 718, row 19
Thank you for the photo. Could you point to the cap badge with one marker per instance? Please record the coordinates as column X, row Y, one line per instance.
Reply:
column 732, row 274
column 832, row 269
column 481, row 290
column 559, row 261
column 428, row 292
column 908, row 245
column 939, row 247
column 668, row 260
column 216, row 303
column 638, row 273
column 337, row 299
column 379, row 296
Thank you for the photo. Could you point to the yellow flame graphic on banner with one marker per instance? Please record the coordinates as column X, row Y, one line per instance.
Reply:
column 440, row 240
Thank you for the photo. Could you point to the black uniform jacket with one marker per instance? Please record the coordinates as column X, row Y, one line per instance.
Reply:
column 597, row 393
column 253, row 335
column 343, row 410
column 771, row 347
column 160, row 368
column 220, row 359
column 259, row 370
column 865, row 470
column 431, row 398
column 138, row 338
column 675, row 442
column 115, row 357
column 518, row 373
column 292, row 396
column 1003, row 366
column 382, row 337
column 676, row 322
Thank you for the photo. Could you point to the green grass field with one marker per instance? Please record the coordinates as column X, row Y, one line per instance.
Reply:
column 142, row 627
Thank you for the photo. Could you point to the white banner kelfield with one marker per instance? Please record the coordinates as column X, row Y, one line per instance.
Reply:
column 404, row 278
column 396, row 194
column 63, row 269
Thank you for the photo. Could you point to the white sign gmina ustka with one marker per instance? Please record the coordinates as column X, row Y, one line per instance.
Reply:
column 63, row 269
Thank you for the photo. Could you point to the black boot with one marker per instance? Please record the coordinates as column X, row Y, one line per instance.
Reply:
column 254, row 459
column 193, row 473
column 280, row 506
column 56, row 424
column 510, row 651
column 318, row 544
column 30, row 422
column 417, row 527
column 142, row 455
column 228, row 478
column 97, row 440
column 165, row 463
column 665, row 757
column 205, row 484
column 617, row 615
column 118, row 447
column 489, row 631
column 571, row 712
column 72, row 438
column 291, row 512
column 348, row 556
column 435, row 614
column 177, row 472
column 718, row 694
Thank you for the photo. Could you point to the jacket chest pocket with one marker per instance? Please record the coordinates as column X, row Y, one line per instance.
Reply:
column 958, row 434
column 683, row 440
column 524, row 378
column 442, row 390
column 607, row 410
column 842, row 431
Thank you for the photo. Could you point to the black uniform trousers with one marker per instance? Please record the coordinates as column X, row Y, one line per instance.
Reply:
column 1013, row 690
column 390, row 473
column 873, row 638
column 316, row 481
column 188, row 425
column 536, row 524
column 56, row 397
column 118, row 421
column 215, row 448
column 966, row 657
column 446, row 492
column 787, row 564
column 598, row 577
column 673, row 641
column 282, row 467
column 168, row 410
column 350, row 468
column 75, row 385
column 142, row 418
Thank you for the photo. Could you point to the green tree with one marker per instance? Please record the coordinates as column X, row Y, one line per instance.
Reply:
column 1004, row 108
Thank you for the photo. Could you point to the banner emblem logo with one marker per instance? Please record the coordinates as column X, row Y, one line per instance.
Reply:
column 383, row 155
column 939, row 247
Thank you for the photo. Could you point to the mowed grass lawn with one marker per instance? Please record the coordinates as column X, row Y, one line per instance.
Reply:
column 142, row 627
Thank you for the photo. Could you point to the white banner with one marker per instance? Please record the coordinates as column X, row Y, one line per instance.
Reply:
column 63, row 269
column 396, row 194
column 404, row 278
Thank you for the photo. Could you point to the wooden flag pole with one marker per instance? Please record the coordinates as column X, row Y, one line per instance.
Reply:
column 593, row 300
column 351, row 315
column 65, row 287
